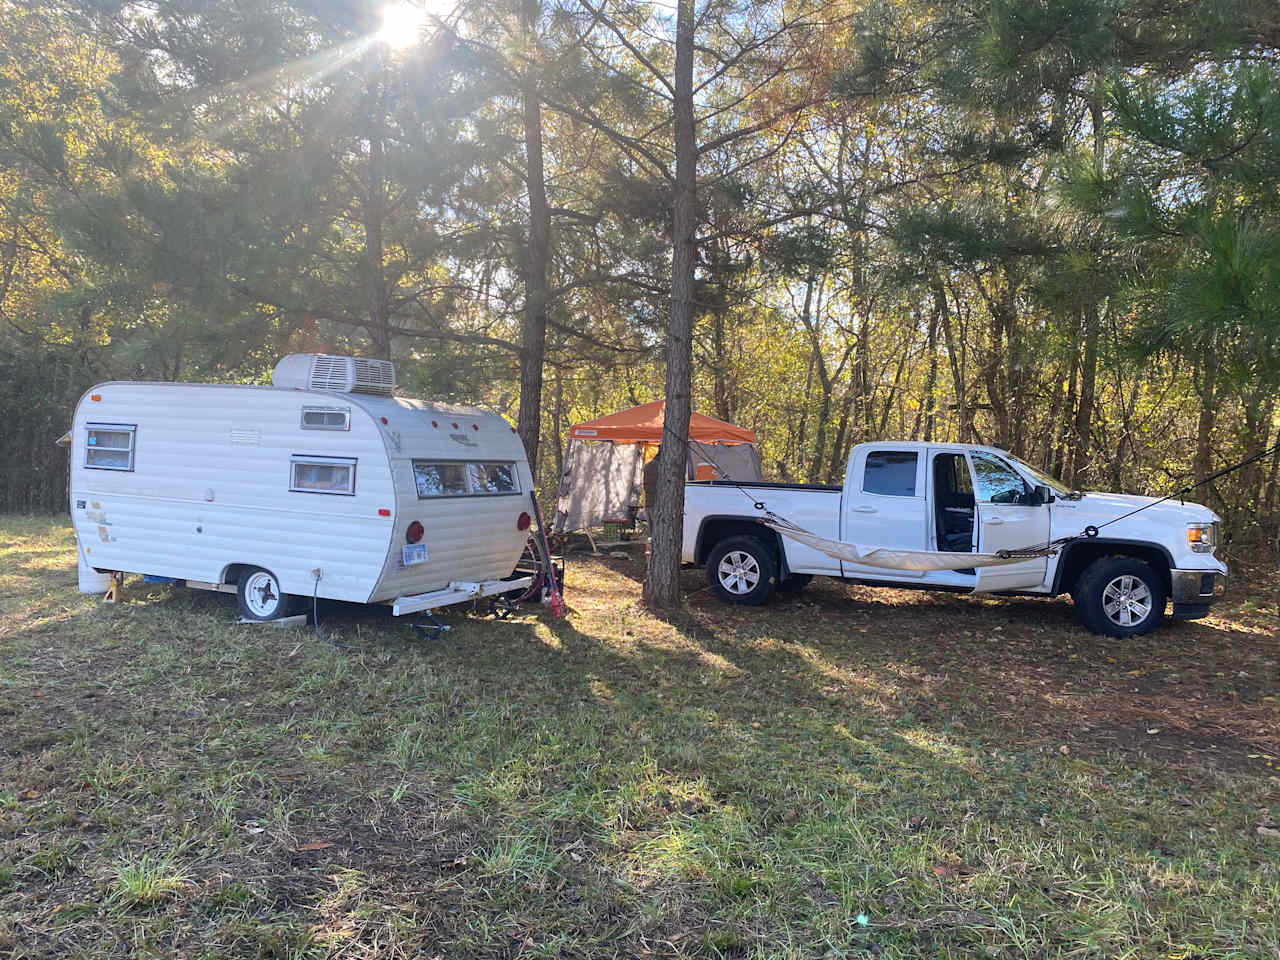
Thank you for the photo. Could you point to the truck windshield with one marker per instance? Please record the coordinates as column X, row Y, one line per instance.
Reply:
column 1041, row 478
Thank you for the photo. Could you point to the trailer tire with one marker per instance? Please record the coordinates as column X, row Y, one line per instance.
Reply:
column 260, row 597
column 1119, row 596
column 742, row 570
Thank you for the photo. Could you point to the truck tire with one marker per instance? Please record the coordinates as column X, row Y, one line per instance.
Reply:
column 742, row 570
column 260, row 597
column 1119, row 597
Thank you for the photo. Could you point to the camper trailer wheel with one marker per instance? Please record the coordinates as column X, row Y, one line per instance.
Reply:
column 261, row 597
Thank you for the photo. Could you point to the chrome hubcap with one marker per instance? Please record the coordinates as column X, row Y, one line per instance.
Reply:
column 739, row 572
column 262, row 594
column 1127, row 600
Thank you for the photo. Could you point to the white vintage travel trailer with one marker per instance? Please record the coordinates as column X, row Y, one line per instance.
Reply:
column 323, row 484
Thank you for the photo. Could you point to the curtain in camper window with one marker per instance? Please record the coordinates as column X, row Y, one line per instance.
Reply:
column 323, row 475
column 109, row 446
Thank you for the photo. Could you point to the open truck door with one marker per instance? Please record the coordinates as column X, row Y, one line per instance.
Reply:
column 1010, row 516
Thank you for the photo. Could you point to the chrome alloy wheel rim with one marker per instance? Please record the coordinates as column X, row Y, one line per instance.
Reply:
column 262, row 594
column 1127, row 600
column 739, row 572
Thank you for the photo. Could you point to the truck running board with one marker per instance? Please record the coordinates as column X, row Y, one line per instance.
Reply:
column 457, row 591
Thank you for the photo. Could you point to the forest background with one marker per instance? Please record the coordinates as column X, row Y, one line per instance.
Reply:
column 1048, row 224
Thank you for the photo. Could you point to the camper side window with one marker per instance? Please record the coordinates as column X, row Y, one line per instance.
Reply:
column 322, row 475
column 493, row 478
column 440, row 479
column 326, row 418
column 109, row 446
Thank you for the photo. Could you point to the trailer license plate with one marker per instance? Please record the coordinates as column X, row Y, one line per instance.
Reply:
column 413, row 553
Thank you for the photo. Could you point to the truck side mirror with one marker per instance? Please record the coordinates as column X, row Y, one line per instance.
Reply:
column 1040, row 495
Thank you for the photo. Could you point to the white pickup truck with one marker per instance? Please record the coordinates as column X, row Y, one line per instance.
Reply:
column 966, row 499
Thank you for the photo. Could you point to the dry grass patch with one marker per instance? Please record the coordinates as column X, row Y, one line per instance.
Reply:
column 845, row 773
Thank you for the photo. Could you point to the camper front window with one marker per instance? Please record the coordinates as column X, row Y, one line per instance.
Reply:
column 109, row 446
column 323, row 475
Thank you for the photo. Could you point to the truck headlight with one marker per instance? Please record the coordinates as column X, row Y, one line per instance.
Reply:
column 1200, row 537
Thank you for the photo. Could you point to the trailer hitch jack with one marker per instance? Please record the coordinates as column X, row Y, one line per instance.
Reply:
column 428, row 627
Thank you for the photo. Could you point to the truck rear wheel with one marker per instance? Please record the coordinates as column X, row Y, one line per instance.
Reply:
column 742, row 570
column 1119, row 597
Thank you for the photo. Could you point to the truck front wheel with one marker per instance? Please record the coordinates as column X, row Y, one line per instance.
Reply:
column 1119, row 597
column 742, row 570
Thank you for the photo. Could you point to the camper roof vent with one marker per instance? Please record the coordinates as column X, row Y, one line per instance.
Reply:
column 319, row 371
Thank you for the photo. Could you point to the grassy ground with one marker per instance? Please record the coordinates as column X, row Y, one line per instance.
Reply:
column 848, row 773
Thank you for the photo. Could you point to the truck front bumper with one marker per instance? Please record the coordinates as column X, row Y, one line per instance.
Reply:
column 1195, row 590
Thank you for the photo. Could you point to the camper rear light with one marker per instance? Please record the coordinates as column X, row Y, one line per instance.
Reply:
column 414, row 533
column 523, row 521
column 384, row 512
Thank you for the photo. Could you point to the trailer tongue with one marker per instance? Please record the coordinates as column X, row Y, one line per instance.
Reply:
column 458, row 591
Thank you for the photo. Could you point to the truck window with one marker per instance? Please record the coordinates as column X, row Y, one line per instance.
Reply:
column 890, row 473
column 322, row 475
column 109, row 446
column 995, row 481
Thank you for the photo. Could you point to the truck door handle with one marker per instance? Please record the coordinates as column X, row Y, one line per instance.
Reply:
column 994, row 521
column 864, row 509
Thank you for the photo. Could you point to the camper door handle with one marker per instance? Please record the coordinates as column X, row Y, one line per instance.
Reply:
column 864, row 509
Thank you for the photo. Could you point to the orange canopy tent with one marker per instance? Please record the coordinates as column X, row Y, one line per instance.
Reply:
column 643, row 424
column 603, row 476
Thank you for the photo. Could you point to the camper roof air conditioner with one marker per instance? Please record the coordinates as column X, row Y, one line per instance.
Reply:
column 320, row 371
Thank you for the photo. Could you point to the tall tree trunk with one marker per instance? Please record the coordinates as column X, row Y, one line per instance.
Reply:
column 824, row 377
column 931, row 379
column 1092, row 313
column 556, row 431
column 662, row 585
column 1083, row 433
column 943, row 309
column 534, row 327
column 374, row 214
column 720, row 367
column 835, row 470
column 1206, row 382
column 1060, row 464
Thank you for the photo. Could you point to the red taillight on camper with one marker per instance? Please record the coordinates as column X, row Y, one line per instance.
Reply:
column 384, row 512
column 414, row 533
column 523, row 521
column 96, row 398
